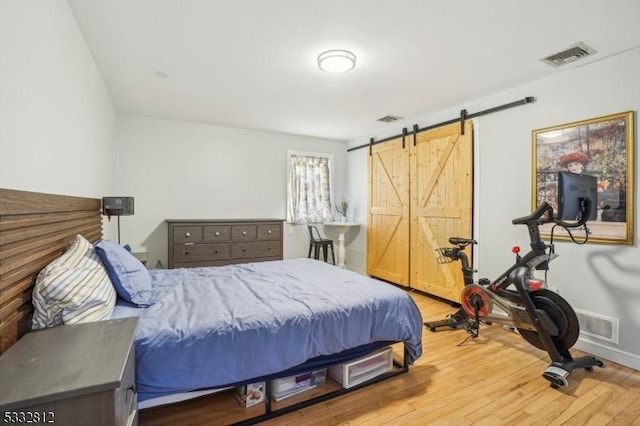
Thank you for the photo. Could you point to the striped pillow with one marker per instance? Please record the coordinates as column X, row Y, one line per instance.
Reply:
column 80, row 254
column 73, row 288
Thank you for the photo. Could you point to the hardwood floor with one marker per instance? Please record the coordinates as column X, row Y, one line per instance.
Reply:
column 492, row 380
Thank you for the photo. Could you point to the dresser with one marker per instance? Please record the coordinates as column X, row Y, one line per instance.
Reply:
column 221, row 242
column 81, row 374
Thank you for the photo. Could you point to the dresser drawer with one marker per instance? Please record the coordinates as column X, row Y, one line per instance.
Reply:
column 188, row 252
column 185, row 234
column 269, row 232
column 199, row 263
column 243, row 232
column 255, row 249
column 216, row 233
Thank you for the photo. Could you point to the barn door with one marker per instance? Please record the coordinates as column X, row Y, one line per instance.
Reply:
column 440, row 205
column 388, row 227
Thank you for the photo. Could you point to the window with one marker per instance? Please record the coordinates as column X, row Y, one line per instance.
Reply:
column 309, row 192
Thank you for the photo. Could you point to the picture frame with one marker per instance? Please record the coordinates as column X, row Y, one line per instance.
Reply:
column 602, row 147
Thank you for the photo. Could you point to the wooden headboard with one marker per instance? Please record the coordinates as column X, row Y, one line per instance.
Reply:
column 35, row 228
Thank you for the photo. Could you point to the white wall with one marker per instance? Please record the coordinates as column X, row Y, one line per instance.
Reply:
column 184, row 170
column 598, row 278
column 56, row 116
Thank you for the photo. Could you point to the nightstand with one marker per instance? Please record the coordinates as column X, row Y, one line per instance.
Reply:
column 142, row 256
column 81, row 374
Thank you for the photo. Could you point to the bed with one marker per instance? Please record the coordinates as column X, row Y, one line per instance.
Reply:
column 202, row 329
column 270, row 316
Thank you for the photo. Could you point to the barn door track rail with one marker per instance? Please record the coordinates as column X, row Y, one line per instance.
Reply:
column 461, row 119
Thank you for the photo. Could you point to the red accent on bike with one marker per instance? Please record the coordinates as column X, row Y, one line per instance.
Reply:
column 515, row 249
column 479, row 293
column 533, row 284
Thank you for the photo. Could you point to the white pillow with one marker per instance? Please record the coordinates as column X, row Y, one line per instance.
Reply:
column 73, row 288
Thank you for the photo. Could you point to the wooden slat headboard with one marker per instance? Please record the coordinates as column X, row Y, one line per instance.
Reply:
column 35, row 228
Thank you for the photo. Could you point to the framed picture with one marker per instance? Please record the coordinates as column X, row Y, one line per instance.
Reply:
column 601, row 147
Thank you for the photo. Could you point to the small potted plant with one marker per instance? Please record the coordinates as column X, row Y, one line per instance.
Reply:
column 342, row 208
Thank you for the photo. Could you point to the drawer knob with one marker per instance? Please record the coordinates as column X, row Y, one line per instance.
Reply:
column 243, row 250
column 217, row 234
column 185, row 251
column 244, row 232
column 215, row 252
column 269, row 231
column 187, row 234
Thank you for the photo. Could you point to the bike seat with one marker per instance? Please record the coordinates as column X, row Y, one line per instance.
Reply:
column 461, row 241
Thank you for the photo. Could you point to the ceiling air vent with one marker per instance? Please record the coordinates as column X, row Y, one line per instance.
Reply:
column 389, row 118
column 569, row 55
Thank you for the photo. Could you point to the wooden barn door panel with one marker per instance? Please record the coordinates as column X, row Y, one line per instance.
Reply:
column 388, row 230
column 440, row 206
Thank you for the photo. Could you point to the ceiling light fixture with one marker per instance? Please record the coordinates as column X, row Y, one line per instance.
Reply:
column 336, row 61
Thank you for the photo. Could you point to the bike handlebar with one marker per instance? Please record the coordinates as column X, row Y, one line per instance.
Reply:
column 535, row 216
column 532, row 221
column 544, row 207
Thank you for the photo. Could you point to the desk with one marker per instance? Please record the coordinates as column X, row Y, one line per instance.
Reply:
column 341, row 229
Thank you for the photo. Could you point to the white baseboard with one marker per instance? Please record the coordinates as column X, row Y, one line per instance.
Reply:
column 610, row 354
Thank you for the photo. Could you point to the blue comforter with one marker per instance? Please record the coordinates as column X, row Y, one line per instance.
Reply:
column 211, row 327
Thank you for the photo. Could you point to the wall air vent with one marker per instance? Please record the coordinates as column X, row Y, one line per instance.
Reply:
column 598, row 326
column 575, row 52
column 389, row 118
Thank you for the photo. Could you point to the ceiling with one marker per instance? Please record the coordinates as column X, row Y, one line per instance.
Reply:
column 252, row 63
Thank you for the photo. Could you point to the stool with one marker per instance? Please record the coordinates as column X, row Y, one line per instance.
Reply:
column 317, row 242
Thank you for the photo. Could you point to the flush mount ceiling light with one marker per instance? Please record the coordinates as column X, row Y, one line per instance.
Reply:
column 336, row 61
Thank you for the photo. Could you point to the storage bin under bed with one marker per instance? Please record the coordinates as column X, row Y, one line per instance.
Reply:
column 362, row 369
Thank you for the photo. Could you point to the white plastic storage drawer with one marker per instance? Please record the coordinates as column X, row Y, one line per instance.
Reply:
column 293, row 385
column 362, row 369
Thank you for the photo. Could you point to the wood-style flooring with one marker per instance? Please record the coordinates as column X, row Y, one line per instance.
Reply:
column 492, row 380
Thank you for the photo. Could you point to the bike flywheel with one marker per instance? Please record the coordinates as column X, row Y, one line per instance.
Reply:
column 562, row 315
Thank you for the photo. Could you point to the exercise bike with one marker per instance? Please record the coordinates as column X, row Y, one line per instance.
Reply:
column 542, row 317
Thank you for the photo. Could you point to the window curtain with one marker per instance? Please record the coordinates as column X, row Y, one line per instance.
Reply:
column 309, row 194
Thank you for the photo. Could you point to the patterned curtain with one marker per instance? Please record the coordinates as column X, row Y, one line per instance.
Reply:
column 309, row 194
